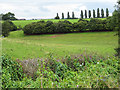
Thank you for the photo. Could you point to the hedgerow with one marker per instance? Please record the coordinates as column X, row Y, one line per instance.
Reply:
column 49, row 27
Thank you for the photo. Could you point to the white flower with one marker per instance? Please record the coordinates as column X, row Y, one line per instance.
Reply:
column 97, row 62
column 77, row 86
column 80, row 65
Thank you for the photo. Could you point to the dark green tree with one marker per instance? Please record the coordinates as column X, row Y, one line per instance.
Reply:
column 5, row 28
column 57, row 17
column 102, row 13
column 9, row 16
column 85, row 13
column 94, row 13
column 81, row 13
column 89, row 13
column 98, row 13
column 73, row 16
column 116, row 21
column 107, row 12
column 62, row 15
column 68, row 15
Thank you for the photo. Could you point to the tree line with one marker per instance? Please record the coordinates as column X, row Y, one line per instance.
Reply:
column 49, row 27
column 41, row 27
column 87, row 14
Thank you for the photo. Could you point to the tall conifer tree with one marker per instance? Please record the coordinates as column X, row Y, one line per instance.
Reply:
column 62, row 15
column 85, row 13
column 107, row 12
column 81, row 14
column 94, row 13
column 89, row 14
column 73, row 16
column 102, row 13
column 68, row 15
column 98, row 13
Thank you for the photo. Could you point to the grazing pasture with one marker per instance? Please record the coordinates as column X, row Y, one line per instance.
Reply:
column 23, row 47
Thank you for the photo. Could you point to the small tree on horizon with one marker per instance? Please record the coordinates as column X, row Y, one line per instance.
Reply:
column 62, row 15
column 68, row 15
column 85, row 13
column 73, row 16
column 89, row 13
column 81, row 14
column 98, row 13
column 102, row 13
column 57, row 17
column 94, row 13
column 107, row 12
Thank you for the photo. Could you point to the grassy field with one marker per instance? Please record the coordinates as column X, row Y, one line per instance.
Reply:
column 22, row 23
column 44, row 61
column 23, row 47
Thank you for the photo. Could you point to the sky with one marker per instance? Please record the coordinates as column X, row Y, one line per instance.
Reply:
column 48, row 9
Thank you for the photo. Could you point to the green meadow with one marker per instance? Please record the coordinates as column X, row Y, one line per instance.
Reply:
column 17, row 45
column 71, row 60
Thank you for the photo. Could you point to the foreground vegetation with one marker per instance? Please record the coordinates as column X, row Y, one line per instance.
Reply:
column 89, row 71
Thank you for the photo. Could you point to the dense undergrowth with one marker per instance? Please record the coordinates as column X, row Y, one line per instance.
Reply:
column 75, row 71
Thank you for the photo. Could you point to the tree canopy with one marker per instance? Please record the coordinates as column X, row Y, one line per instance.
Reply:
column 8, row 16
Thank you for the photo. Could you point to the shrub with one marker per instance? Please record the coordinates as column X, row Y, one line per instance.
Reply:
column 13, row 26
column 29, row 67
column 81, row 25
column 63, row 27
column 42, row 27
column 97, row 25
column 11, row 71
column 109, row 24
column 7, row 26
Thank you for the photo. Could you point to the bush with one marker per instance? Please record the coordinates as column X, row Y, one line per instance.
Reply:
column 97, row 25
column 13, row 26
column 63, row 27
column 11, row 71
column 109, row 24
column 7, row 26
column 81, row 25
column 42, row 27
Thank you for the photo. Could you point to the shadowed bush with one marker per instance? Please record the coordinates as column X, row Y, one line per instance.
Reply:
column 7, row 26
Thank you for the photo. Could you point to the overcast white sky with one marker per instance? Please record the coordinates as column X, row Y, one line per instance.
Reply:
column 38, row 9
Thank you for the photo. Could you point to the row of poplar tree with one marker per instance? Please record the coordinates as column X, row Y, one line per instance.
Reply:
column 85, row 15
